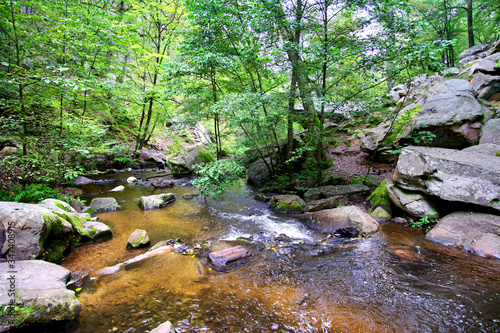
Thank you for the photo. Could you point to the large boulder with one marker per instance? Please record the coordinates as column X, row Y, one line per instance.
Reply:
column 452, row 175
column 287, row 204
column 104, row 204
column 476, row 52
column 258, row 172
column 338, row 219
column 328, row 203
column 156, row 201
column 152, row 156
column 186, row 162
column 452, row 113
column 478, row 233
column 40, row 296
column 491, row 132
column 45, row 230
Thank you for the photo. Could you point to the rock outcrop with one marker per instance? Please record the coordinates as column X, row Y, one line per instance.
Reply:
column 46, row 230
column 186, row 162
column 451, row 175
column 477, row 233
column 41, row 296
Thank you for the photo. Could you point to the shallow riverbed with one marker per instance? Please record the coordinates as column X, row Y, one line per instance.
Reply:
column 393, row 281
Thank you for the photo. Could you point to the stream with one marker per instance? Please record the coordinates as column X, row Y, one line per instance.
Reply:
column 393, row 281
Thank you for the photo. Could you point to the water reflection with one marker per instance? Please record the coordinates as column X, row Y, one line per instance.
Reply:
column 394, row 281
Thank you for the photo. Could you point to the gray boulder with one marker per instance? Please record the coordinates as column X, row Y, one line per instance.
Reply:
column 287, row 204
column 186, row 162
column 475, row 50
column 452, row 175
column 104, row 204
column 45, row 230
column 334, row 220
column 41, row 295
column 452, row 113
column 156, row 201
column 491, row 132
column 131, row 180
column 477, row 233
column 139, row 238
column 414, row 204
column 486, row 86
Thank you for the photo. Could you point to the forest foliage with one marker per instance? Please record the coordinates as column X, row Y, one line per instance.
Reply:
column 79, row 79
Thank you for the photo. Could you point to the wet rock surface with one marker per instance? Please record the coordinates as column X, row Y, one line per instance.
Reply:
column 477, row 233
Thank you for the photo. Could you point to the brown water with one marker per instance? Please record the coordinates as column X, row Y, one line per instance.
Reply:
column 394, row 281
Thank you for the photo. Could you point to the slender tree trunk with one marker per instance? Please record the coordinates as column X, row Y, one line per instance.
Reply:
column 470, row 30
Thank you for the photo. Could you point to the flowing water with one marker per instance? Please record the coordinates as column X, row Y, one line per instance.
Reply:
column 393, row 281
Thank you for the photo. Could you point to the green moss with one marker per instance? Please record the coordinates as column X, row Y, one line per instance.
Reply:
column 61, row 206
column 497, row 154
column 76, row 222
column 380, row 197
column 24, row 314
column 55, row 251
column 400, row 123
column 206, row 157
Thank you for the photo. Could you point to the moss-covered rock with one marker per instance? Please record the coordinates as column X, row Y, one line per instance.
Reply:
column 380, row 197
column 139, row 238
column 288, row 204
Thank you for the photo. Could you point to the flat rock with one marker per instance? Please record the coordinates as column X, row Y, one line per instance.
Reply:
column 223, row 257
column 328, row 203
column 477, row 233
column 156, row 201
column 41, row 291
column 104, row 204
column 332, row 220
column 452, row 175
column 324, row 192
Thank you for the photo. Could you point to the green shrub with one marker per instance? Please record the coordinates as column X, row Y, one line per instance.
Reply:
column 216, row 176
column 33, row 193
column 206, row 157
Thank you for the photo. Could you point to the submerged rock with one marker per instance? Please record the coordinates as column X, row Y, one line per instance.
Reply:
column 223, row 257
column 478, row 233
column 166, row 327
column 287, row 204
column 80, row 180
column 104, row 204
column 332, row 220
column 118, row 189
column 139, row 238
column 41, row 295
column 156, row 201
column 452, row 175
